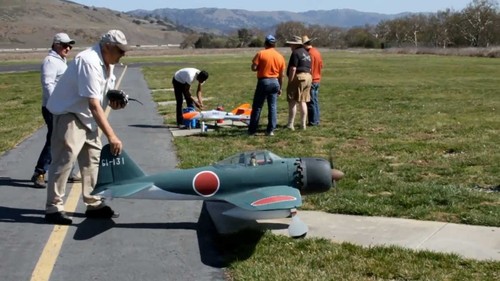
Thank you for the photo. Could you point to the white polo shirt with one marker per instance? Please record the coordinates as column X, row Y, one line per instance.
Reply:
column 186, row 75
column 53, row 67
column 84, row 78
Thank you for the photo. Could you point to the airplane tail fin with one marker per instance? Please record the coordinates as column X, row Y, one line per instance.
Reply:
column 114, row 169
column 242, row 109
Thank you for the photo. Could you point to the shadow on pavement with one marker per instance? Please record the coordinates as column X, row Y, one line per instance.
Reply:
column 17, row 215
column 149, row 126
column 4, row 181
column 216, row 250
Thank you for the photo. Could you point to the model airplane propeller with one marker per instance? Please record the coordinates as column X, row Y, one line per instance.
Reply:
column 258, row 184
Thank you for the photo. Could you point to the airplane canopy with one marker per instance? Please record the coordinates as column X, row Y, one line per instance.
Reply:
column 251, row 158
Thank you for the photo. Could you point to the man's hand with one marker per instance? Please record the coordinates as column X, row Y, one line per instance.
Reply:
column 115, row 145
column 114, row 104
column 198, row 104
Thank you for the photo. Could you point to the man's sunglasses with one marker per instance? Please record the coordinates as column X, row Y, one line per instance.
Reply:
column 65, row 46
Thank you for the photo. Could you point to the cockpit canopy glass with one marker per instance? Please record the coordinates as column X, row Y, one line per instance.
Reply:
column 251, row 158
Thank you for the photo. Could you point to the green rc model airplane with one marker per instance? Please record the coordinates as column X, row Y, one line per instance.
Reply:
column 259, row 184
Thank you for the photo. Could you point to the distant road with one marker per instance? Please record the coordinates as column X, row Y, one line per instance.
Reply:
column 36, row 67
column 19, row 68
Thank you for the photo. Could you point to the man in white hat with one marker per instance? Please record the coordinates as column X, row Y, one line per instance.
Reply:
column 53, row 66
column 76, row 105
column 299, row 82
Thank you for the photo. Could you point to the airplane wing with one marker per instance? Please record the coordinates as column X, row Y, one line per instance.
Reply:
column 237, row 117
column 266, row 198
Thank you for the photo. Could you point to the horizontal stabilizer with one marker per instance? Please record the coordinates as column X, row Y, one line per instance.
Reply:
column 122, row 190
column 242, row 109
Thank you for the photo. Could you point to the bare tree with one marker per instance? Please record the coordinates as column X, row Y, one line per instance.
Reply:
column 477, row 20
column 287, row 30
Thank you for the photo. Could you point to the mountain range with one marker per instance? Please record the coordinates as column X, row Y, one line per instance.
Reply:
column 225, row 21
column 33, row 23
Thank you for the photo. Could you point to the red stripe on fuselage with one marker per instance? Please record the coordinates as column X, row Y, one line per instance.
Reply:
column 273, row 200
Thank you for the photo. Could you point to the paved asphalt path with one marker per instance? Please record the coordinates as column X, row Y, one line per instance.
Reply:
column 151, row 240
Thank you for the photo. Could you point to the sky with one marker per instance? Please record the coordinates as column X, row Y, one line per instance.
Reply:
column 377, row 6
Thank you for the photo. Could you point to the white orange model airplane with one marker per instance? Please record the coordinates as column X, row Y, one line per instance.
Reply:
column 240, row 113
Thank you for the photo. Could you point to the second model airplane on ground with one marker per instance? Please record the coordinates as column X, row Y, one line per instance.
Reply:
column 258, row 184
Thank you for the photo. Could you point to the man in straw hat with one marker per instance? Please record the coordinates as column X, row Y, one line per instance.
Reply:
column 299, row 82
column 76, row 105
column 316, row 67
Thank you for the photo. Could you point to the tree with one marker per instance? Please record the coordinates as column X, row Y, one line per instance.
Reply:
column 360, row 38
column 477, row 22
column 286, row 30
column 244, row 36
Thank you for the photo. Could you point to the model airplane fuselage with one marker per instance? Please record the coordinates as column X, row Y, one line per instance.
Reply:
column 260, row 184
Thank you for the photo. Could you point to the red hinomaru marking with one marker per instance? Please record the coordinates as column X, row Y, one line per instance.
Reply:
column 206, row 183
column 273, row 200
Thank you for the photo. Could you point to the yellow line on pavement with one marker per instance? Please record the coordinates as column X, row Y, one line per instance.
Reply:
column 47, row 260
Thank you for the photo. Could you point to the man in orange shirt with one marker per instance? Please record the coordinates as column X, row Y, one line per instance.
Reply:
column 270, row 67
column 316, row 66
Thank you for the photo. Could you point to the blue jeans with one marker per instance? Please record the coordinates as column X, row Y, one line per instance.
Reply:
column 266, row 89
column 45, row 157
column 313, row 105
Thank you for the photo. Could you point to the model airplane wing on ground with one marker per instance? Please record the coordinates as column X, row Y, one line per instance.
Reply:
column 259, row 184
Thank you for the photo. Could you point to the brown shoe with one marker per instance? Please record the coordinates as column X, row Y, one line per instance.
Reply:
column 38, row 180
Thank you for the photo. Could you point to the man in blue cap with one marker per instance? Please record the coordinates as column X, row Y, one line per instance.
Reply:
column 270, row 67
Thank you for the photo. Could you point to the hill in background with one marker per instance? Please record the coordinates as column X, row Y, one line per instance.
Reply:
column 225, row 21
column 33, row 23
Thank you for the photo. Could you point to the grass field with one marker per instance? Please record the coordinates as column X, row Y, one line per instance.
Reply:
column 416, row 135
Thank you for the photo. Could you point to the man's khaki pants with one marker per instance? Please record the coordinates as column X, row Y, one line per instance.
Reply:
column 72, row 141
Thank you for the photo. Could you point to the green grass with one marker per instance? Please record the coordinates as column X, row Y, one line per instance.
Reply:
column 271, row 257
column 20, row 107
column 417, row 137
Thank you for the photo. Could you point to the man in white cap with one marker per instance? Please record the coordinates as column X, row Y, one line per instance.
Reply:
column 76, row 105
column 53, row 67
